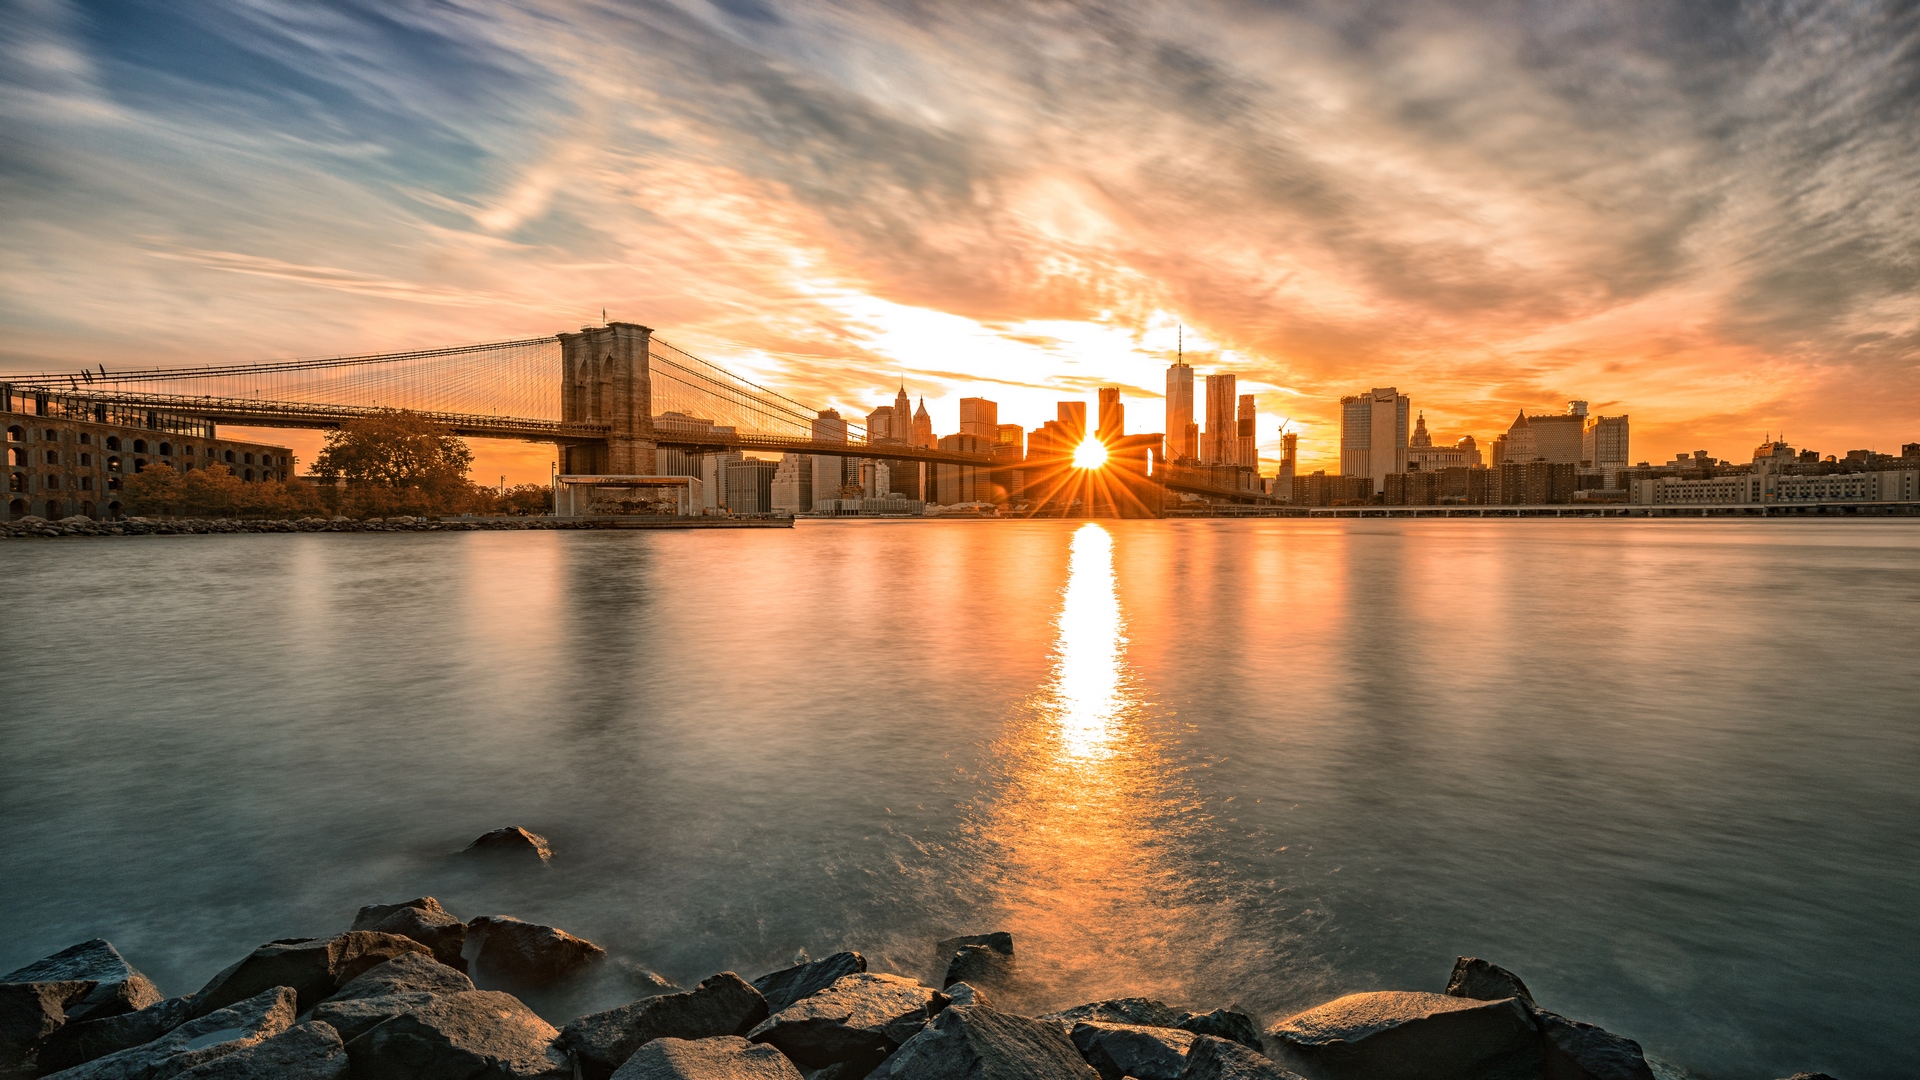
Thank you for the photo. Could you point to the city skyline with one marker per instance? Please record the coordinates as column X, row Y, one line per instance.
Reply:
column 830, row 198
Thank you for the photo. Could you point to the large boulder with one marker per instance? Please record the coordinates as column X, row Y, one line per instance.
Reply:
column 1225, row 1024
column 860, row 1018
column 406, row 973
column 423, row 920
column 460, row 1036
column 518, row 953
column 1144, row 1012
column 1393, row 1035
column 978, row 1043
column 196, row 1042
column 723, row 1057
column 1121, row 1050
column 1577, row 1051
column 118, row 987
column 722, row 1005
column 355, row 1017
column 961, row 993
column 788, row 985
column 1476, row 978
column 1212, row 1058
column 513, row 842
column 977, row 958
column 29, row 1012
column 314, row 967
column 82, row 1042
column 310, row 1051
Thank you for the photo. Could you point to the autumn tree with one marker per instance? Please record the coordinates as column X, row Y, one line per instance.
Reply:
column 397, row 462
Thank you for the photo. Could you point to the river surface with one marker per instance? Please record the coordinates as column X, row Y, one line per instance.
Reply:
column 1668, row 772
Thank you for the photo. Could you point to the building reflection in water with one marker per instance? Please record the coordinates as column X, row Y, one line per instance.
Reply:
column 1086, row 834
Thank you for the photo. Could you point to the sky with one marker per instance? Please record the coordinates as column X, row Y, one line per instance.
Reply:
column 1704, row 215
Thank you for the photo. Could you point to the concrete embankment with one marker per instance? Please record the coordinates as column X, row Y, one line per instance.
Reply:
column 34, row 527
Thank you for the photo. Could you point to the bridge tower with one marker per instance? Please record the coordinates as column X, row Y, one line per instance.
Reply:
column 605, row 378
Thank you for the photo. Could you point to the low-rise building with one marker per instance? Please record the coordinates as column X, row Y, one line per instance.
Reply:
column 59, row 465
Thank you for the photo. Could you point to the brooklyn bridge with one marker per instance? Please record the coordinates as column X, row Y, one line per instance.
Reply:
column 606, row 396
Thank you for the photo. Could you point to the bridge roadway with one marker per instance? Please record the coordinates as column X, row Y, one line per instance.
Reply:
column 253, row 412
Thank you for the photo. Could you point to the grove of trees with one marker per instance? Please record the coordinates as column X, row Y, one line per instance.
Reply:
column 393, row 463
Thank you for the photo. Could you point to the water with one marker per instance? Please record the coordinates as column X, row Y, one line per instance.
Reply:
column 1665, row 771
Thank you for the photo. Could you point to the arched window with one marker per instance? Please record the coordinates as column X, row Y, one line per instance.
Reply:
column 86, row 459
column 249, row 474
column 139, row 446
column 113, row 442
column 16, row 481
column 229, row 455
column 113, row 509
column 52, row 482
column 249, row 459
column 17, row 508
column 139, row 464
column 16, row 433
column 51, row 435
column 113, row 464
column 53, row 457
column 53, row 510
column 186, row 451
column 16, row 456
column 86, row 437
column 166, row 449
column 86, row 483
column 113, row 483
column 86, row 508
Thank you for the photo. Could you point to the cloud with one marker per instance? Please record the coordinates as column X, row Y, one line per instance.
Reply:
column 1703, row 212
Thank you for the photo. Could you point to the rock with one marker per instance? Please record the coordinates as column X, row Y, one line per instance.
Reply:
column 118, row 987
column 784, row 987
column 526, row 954
column 1394, row 1035
column 722, row 1005
column 514, row 841
column 1212, row 1058
column 29, row 1012
column 1576, row 1051
column 977, row 958
column 1810, row 1076
column 1476, row 978
column 471, row 1034
column 1121, row 1050
column 77, row 1043
column 723, row 1057
column 355, row 1017
column 1225, row 1024
column 978, row 1043
column 1144, row 1012
column 310, row 1051
column 196, row 1042
column 999, row 941
column 966, row 994
column 860, row 1018
column 422, row 920
column 314, row 967
column 406, row 973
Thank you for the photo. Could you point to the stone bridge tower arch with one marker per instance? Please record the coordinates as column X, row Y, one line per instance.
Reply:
column 606, row 378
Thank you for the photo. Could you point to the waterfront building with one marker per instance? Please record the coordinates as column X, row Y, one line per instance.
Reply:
column 832, row 474
column 1423, row 456
column 1373, row 434
column 963, row 483
column 1112, row 417
column 1320, row 489
column 1535, row 483
column 1603, row 443
column 1220, row 442
column 750, row 486
column 981, row 417
column 1247, row 447
column 1550, row 438
column 792, row 490
column 1183, row 435
column 59, row 466
column 1768, row 486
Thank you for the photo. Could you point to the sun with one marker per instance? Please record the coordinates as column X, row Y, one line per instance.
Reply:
column 1090, row 454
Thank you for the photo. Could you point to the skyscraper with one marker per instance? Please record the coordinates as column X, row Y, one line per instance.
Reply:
column 902, row 430
column 978, row 416
column 1073, row 420
column 1112, row 415
column 1603, row 443
column 831, row 472
column 1182, row 433
column 923, row 427
column 1283, row 480
column 1220, row 444
column 1248, row 448
column 1373, row 434
column 880, row 424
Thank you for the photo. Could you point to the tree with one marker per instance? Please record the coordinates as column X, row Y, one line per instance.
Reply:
column 397, row 462
column 157, row 489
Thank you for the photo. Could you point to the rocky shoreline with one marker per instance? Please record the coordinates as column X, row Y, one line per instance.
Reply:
column 410, row 990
